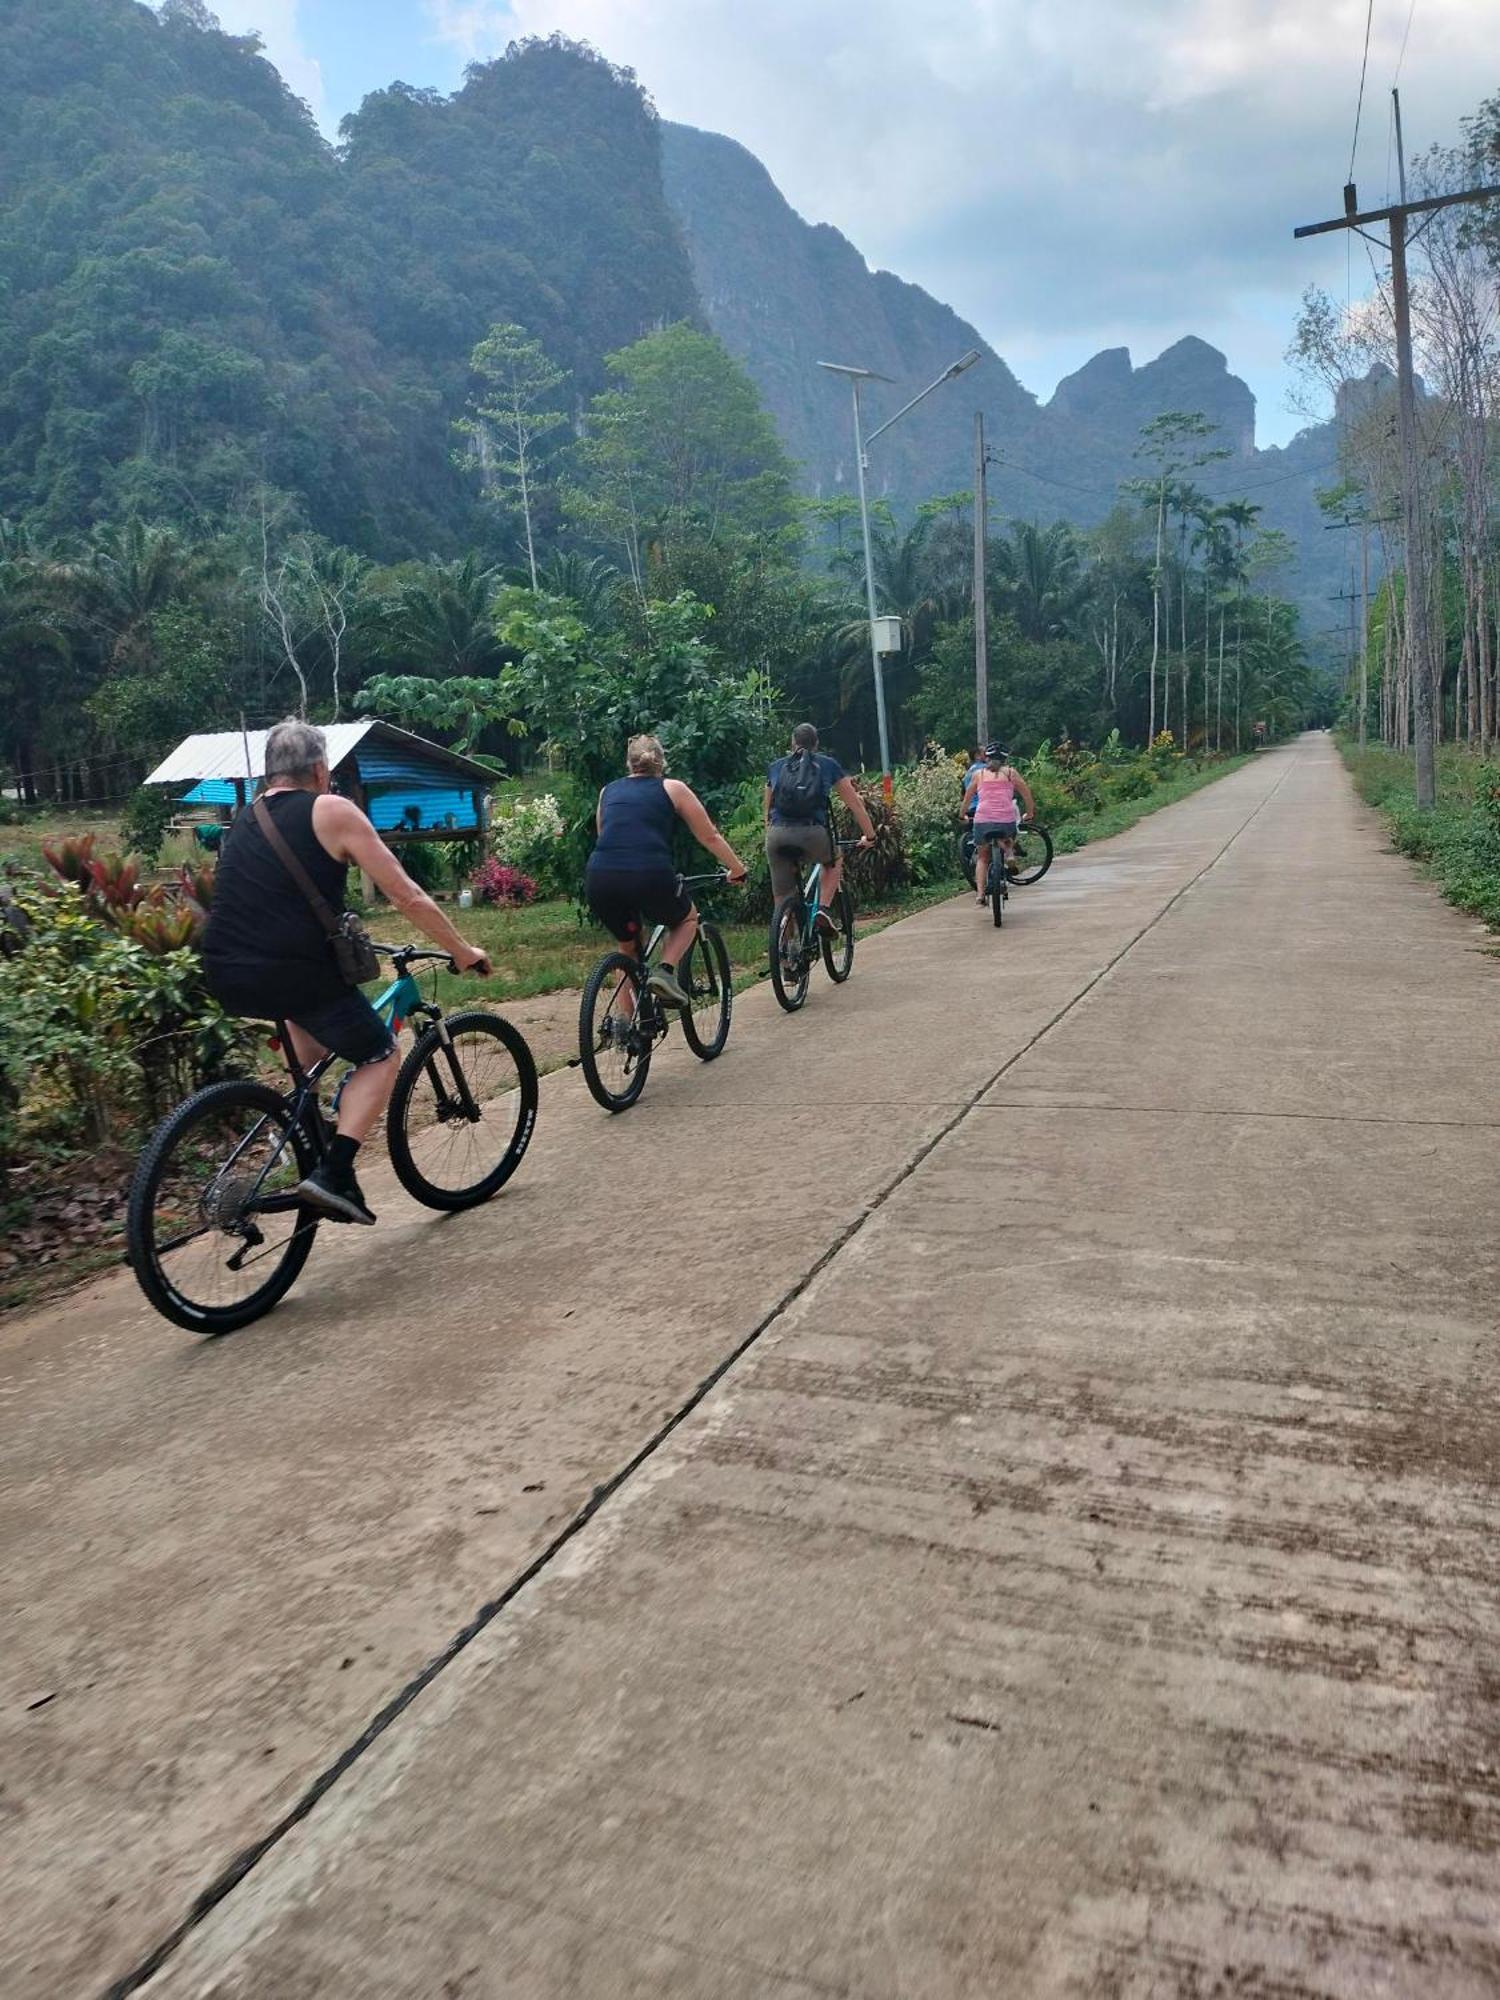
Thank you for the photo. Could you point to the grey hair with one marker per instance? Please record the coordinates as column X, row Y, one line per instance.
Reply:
column 292, row 749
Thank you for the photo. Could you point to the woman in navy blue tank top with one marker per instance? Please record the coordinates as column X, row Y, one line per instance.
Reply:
column 632, row 877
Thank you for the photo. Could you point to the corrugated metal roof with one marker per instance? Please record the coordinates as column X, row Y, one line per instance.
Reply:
column 222, row 753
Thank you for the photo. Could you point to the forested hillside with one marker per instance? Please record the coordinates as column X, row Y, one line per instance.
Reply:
column 200, row 300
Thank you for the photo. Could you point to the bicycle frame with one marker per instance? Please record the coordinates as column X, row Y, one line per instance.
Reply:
column 400, row 1002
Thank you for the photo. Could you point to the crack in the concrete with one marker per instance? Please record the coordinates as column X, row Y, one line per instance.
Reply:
column 229, row 1878
column 1233, row 1111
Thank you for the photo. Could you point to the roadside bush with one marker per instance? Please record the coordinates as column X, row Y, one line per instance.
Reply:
column 506, row 888
column 524, row 827
column 928, row 802
column 116, row 1028
column 148, row 815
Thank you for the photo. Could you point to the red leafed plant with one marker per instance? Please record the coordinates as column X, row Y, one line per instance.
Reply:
column 494, row 882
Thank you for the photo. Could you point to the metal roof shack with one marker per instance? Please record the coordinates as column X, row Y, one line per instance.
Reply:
column 412, row 789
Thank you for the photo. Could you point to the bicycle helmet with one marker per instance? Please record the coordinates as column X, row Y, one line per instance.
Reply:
column 996, row 753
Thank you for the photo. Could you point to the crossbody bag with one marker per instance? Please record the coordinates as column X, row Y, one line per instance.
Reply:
column 348, row 940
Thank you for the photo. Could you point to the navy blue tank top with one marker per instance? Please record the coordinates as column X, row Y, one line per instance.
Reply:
column 639, row 821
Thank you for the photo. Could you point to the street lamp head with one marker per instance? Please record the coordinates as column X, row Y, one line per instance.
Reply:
column 861, row 374
column 965, row 361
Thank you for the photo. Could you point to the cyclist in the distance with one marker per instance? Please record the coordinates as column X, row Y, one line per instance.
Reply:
column 632, row 874
column 994, row 789
column 799, row 788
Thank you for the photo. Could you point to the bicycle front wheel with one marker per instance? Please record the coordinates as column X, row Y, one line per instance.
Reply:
column 614, row 1050
column 838, row 952
column 704, row 971
column 212, row 1229
column 1033, row 855
column 791, row 963
column 463, row 1110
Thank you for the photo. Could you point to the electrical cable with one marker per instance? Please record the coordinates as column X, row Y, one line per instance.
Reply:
column 1360, row 101
column 1404, row 39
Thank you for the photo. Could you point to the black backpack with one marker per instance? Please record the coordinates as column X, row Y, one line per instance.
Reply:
column 799, row 793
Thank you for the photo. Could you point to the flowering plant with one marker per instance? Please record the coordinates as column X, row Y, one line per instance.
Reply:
column 495, row 882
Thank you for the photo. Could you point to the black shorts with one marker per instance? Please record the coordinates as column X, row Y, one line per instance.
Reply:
column 1003, row 829
column 621, row 897
column 350, row 1027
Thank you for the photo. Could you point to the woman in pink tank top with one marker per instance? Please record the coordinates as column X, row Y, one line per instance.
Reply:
column 994, row 790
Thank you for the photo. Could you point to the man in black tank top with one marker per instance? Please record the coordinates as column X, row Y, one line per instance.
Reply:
column 267, row 955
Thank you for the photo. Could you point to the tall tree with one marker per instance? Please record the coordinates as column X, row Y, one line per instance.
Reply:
column 681, row 449
column 1172, row 443
column 509, row 413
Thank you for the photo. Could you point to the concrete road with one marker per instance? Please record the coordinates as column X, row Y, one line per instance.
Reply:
column 1048, row 1537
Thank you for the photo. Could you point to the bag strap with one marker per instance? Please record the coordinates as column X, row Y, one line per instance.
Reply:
column 321, row 908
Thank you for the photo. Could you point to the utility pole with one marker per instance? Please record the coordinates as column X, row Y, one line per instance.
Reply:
column 1424, row 663
column 981, row 607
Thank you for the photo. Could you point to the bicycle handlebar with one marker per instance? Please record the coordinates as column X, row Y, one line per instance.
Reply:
column 702, row 881
column 403, row 955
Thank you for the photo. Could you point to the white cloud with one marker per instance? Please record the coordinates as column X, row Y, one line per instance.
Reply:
column 1066, row 176
column 276, row 22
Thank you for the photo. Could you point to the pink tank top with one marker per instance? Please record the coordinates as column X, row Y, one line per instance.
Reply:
column 997, row 800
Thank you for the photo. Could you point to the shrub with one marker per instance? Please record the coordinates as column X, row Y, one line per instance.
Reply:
column 148, row 815
column 118, row 1022
column 929, row 799
column 505, row 887
column 520, row 828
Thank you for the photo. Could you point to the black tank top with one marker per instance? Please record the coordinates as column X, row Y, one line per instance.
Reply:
column 639, row 821
column 264, row 952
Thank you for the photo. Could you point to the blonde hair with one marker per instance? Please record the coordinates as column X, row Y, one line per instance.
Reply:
column 644, row 757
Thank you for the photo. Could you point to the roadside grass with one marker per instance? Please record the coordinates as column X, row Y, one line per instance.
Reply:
column 1458, row 842
column 552, row 947
column 1071, row 834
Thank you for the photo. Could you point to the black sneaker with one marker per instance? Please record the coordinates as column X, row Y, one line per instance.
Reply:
column 340, row 1200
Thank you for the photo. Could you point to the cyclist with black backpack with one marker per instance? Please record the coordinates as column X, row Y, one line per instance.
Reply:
column 799, row 788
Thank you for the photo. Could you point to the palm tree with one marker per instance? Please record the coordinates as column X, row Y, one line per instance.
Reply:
column 915, row 581
column 1240, row 516
column 132, row 571
column 590, row 583
column 1040, row 571
column 440, row 620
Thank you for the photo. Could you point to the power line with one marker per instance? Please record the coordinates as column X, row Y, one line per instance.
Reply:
column 1402, row 57
column 1364, row 64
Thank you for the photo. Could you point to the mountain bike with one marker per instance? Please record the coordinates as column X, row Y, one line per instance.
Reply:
column 215, row 1230
column 1031, row 854
column 796, row 941
column 621, row 1021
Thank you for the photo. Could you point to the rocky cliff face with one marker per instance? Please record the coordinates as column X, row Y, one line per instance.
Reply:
column 784, row 294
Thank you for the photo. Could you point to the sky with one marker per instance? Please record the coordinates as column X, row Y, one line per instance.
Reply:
column 1066, row 174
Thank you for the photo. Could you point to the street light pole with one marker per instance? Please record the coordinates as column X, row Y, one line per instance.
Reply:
column 864, row 524
column 861, row 443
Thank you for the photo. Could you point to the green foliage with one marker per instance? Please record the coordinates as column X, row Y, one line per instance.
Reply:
column 148, row 814
column 680, row 450
column 587, row 693
column 106, row 1031
column 928, row 796
column 1459, row 839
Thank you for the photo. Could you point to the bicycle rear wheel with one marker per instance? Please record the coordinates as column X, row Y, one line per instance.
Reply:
column 1033, row 855
column 838, row 952
column 966, row 856
column 614, row 1051
column 791, row 962
column 463, row 1110
column 997, row 885
column 704, row 971
column 204, row 1251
